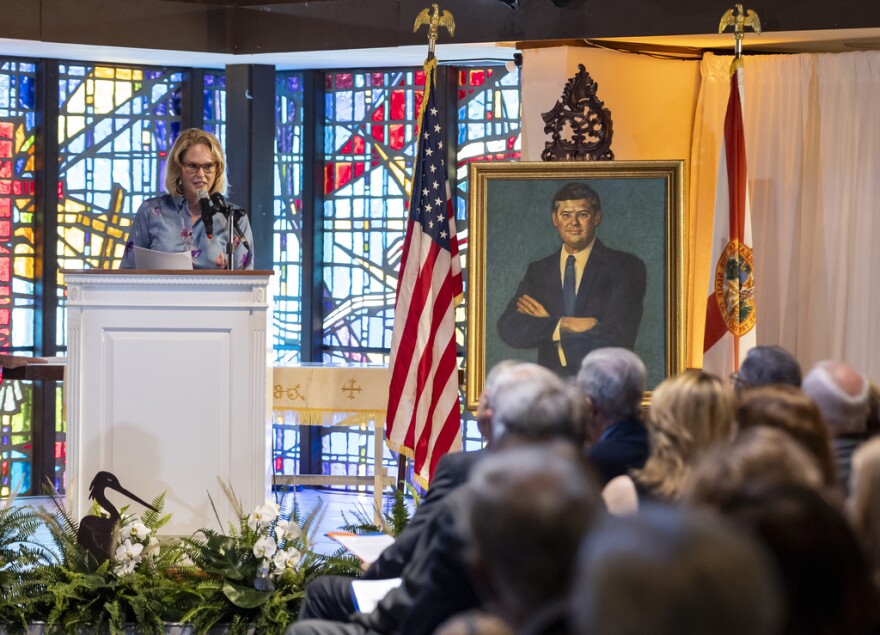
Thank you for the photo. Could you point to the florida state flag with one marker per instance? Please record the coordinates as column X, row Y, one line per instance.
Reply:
column 730, row 310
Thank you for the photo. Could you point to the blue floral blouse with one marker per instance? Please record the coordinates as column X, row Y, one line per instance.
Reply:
column 164, row 224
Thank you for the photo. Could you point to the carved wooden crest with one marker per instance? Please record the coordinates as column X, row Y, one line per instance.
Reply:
column 585, row 117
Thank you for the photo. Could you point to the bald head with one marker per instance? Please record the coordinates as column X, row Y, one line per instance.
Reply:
column 841, row 393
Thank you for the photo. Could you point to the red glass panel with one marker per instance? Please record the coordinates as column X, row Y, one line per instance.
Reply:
column 5, row 230
column 379, row 113
column 398, row 132
column 378, row 133
column 346, row 148
column 5, row 169
column 5, row 208
column 5, row 149
column 6, row 129
column 5, row 270
column 420, row 78
column 398, row 105
column 511, row 142
column 359, row 145
column 343, row 175
column 328, row 177
column 420, row 96
column 4, row 316
column 344, row 80
column 5, row 187
column 461, row 94
column 478, row 77
column 359, row 168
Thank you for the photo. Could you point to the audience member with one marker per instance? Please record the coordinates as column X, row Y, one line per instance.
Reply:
column 841, row 393
column 765, row 365
column 864, row 501
column 789, row 409
column 873, row 424
column 329, row 597
column 613, row 381
column 827, row 581
column 531, row 404
column 673, row 571
column 758, row 455
column 528, row 510
column 689, row 413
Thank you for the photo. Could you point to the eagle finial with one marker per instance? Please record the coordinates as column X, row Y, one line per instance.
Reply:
column 739, row 20
column 434, row 18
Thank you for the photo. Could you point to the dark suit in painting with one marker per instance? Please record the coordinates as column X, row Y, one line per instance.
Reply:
column 612, row 290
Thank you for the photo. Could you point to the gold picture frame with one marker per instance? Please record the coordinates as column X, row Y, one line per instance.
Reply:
column 510, row 227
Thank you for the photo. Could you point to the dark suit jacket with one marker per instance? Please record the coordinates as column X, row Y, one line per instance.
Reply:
column 612, row 290
column 452, row 470
column 623, row 447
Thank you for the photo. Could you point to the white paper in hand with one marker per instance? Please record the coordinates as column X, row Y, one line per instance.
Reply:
column 162, row 260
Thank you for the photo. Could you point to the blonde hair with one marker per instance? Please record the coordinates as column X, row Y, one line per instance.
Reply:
column 689, row 412
column 186, row 140
column 863, row 503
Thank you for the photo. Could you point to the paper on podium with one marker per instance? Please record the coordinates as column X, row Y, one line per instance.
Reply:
column 161, row 260
column 368, row 593
column 367, row 547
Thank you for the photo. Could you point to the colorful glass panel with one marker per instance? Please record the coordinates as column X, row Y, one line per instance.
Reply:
column 287, row 251
column 18, row 114
column 115, row 127
column 369, row 146
column 488, row 130
column 214, row 105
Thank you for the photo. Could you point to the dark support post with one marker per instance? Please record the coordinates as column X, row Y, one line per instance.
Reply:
column 312, row 250
column 250, row 150
column 46, row 271
column 192, row 97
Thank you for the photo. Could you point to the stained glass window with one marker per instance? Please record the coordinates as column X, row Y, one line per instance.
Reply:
column 287, row 251
column 115, row 127
column 369, row 147
column 18, row 110
column 214, row 108
column 488, row 130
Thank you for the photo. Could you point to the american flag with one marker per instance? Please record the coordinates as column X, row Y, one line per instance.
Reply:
column 424, row 414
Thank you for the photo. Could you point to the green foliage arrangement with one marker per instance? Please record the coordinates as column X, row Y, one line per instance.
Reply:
column 392, row 522
column 251, row 579
column 256, row 573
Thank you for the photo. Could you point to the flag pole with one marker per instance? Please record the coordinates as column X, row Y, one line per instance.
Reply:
column 434, row 19
column 739, row 19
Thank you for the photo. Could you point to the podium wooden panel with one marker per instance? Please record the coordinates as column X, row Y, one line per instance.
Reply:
column 168, row 388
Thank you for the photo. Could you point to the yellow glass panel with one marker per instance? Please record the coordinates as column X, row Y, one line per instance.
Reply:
column 123, row 73
column 105, row 72
column 24, row 268
column 29, row 166
column 72, row 206
column 137, row 75
column 74, row 238
column 99, row 226
column 124, row 91
column 147, row 138
column 77, row 101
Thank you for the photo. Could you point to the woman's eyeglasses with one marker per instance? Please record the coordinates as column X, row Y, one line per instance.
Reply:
column 192, row 168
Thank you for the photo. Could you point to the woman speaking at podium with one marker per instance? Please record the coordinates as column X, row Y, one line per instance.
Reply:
column 193, row 216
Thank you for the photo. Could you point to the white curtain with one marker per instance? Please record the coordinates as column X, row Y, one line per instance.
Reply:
column 812, row 125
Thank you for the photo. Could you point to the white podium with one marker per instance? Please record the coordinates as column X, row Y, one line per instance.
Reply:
column 169, row 387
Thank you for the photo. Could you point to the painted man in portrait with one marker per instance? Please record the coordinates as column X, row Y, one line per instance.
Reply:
column 582, row 297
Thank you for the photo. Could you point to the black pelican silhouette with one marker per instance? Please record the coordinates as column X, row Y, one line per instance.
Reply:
column 96, row 532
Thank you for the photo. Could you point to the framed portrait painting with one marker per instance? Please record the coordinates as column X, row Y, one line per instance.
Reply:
column 573, row 256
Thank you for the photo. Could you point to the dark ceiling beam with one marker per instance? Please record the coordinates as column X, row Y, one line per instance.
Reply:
column 273, row 27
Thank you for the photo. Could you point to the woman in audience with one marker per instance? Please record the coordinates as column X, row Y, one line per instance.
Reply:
column 789, row 409
column 864, row 501
column 757, row 455
column 688, row 414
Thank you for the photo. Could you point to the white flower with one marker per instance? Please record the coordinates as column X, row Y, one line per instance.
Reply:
column 128, row 556
column 136, row 530
column 265, row 547
column 152, row 547
column 124, row 568
column 286, row 559
column 263, row 582
column 286, row 530
column 263, row 515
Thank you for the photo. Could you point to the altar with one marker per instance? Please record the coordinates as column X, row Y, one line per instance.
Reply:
column 336, row 395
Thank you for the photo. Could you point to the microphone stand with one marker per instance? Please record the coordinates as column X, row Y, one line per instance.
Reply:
column 232, row 214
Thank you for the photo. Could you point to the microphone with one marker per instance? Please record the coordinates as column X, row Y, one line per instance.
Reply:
column 232, row 213
column 207, row 213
